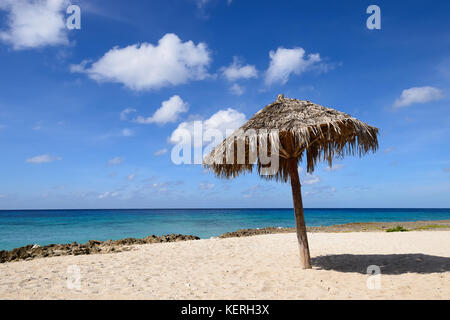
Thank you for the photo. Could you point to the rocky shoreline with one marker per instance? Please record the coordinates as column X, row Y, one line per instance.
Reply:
column 349, row 227
column 31, row 252
column 92, row 247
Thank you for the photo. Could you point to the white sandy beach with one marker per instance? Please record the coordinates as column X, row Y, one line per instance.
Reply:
column 415, row 265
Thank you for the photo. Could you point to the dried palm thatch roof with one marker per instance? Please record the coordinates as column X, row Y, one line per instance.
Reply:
column 296, row 129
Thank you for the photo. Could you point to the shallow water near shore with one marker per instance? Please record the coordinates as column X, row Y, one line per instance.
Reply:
column 43, row 227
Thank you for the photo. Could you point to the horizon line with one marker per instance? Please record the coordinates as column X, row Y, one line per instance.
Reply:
column 237, row 208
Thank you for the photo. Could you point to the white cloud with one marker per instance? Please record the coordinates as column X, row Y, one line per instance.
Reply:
column 307, row 178
column 206, row 186
column 324, row 191
column 34, row 24
column 236, row 90
column 131, row 177
column 166, row 187
column 146, row 66
column 236, row 71
column 258, row 191
column 335, row 167
column 284, row 62
column 120, row 133
column 109, row 195
column 115, row 161
column 168, row 112
column 160, row 152
column 45, row 158
column 225, row 121
column 418, row 95
column 311, row 179
column 160, row 187
column 202, row 3
column 127, row 132
column 124, row 114
column 37, row 126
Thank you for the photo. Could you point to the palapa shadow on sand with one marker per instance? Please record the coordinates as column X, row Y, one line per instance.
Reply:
column 388, row 263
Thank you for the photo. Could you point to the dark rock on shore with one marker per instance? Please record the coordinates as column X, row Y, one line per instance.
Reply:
column 349, row 227
column 91, row 247
column 254, row 232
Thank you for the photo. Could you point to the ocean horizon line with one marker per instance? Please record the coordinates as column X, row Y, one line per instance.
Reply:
column 235, row 208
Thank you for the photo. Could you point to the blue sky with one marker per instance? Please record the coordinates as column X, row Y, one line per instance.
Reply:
column 87, row 116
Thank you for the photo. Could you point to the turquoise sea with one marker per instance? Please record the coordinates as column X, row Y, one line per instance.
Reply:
column 19, row 228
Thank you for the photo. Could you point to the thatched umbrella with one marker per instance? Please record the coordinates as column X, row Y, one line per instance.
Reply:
column 292, row 130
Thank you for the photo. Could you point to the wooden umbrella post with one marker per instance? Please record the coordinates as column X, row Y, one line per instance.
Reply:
column 305, row 259
column 301, row 129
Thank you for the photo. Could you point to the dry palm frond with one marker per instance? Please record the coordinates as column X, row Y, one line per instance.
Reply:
column 287, row 129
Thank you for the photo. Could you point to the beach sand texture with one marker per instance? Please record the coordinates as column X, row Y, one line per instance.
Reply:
column 414, row 265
